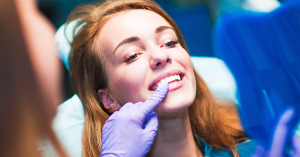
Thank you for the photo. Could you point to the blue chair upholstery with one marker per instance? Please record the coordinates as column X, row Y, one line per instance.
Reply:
column 263, row 52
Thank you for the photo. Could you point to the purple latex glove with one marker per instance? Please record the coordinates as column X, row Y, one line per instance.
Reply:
column 130, row 132
column 281, row 136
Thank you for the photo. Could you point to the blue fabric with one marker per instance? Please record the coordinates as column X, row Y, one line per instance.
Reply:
column 262, row 51
column 245, row 149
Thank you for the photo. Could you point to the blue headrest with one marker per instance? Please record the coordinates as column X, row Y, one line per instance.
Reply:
column 263, row 52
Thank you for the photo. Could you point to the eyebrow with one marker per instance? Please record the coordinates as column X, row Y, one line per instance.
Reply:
column 162, row 28
column 135, row 38
column 126, row 41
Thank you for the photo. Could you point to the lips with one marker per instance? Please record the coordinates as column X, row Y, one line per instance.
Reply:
column 169, row 77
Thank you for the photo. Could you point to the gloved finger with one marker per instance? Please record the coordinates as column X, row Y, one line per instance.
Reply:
column 151, row 125
column 281, row 133
column 124, row 107
column 296, row 145
column 150, row 104
column 129, row 105
column 111, row 117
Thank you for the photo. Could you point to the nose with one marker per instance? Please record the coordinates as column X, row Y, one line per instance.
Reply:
column 159, row 58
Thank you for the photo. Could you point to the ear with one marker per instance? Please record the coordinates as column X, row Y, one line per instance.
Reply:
column 108, row 101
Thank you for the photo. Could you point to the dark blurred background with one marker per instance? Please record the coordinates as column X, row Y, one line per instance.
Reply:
column 194, row 17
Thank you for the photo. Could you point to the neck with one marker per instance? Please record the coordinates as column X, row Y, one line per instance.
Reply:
column 175, row 138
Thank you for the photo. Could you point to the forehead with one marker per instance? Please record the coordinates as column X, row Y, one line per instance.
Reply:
column 130, row 23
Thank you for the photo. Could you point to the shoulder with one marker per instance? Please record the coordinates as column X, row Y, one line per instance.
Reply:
column 69, row 114
column 245, row 149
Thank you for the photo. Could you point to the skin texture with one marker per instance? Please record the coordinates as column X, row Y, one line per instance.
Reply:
column 129, row 81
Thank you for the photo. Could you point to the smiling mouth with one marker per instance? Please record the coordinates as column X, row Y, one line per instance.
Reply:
column 169, row 79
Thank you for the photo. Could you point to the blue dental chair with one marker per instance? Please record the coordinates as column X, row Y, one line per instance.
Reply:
column 262, row 51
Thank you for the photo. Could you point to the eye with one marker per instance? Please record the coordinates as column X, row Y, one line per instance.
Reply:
column 131, row 57
column 171, row 43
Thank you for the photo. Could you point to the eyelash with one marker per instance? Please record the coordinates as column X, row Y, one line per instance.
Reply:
column 174, row 42
column 133, row 56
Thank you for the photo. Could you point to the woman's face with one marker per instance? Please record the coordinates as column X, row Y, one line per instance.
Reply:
column 140, row 51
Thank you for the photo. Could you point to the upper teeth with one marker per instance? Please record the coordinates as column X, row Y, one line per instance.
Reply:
column 169, row 79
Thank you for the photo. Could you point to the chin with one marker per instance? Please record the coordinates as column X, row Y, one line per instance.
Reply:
column 175, row 103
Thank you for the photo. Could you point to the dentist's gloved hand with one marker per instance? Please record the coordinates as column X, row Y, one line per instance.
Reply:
column 281, row 137
column 131, row 131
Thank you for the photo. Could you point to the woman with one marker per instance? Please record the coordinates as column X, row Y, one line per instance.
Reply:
column 121, row 54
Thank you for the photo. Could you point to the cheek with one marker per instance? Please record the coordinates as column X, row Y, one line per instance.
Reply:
column 187, row 63
column 184, row 59
column 128, row 83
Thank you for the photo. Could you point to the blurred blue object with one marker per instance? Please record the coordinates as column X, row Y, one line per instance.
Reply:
column 263, row 52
